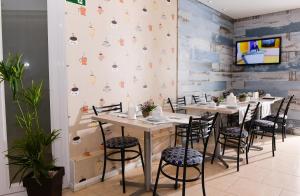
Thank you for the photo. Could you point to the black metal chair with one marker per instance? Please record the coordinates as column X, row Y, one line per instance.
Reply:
column 120, row 145
column 282, row 118
column 265, row 127
column 207, row 97
column 196, row 99
column 181, row 129
column 183, row 157
column 238, row 137
column 177, row 107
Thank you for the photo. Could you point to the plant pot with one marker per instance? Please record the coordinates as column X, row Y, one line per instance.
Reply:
column 145, row 114
column 48, row 187
column 242, row 99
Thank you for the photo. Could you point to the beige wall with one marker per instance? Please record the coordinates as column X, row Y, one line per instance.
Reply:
column 116, row 51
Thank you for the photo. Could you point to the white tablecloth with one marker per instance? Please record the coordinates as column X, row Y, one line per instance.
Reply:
column 265, row 110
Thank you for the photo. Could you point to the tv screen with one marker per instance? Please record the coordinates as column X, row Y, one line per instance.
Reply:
column 259, row 51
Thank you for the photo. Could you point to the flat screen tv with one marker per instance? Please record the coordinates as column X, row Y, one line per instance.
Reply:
column 259, row 51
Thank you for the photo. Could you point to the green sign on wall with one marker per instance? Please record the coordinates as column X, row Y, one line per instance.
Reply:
column 79, row 2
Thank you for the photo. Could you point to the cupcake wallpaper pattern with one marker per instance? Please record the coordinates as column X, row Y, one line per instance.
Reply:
column 117, row 51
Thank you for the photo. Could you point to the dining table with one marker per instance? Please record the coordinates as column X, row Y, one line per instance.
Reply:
column 224, row 110
column 148, row 128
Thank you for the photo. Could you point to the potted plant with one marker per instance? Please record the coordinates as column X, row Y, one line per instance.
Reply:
column 29, row 153
column 147, row 107
column 217, row 100
column 242, row 97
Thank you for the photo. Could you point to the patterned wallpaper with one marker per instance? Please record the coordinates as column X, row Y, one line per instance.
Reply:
column 205, row 49
column 116, row 51
column 279, row 80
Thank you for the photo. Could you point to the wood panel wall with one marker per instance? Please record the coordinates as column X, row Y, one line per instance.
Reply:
column 279, row 80
column 205, row 49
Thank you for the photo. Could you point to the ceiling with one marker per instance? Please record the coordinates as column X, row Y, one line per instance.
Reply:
column 244, row 8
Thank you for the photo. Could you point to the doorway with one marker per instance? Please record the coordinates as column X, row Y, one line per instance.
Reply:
column 27, row 29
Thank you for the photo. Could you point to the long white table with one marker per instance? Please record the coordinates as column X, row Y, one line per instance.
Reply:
column 147, row 128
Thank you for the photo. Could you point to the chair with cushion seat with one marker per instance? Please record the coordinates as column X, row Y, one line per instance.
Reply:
column 185, row 157
column 282, row 118
column 238, row 137
column 120, row 145
column 265, row 127
column 180, row 130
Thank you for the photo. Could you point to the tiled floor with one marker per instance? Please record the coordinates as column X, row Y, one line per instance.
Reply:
column 263, row 176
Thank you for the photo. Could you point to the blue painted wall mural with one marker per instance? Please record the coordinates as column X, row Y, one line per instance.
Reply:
column 280, row 80
column 206, row 40
column 205, row 49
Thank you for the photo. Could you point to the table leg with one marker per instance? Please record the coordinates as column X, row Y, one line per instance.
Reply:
column 148, row 160
column 147, row 186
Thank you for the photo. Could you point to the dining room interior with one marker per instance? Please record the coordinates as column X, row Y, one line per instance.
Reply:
column 150, row 97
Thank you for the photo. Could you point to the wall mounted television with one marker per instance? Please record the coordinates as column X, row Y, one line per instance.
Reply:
column 266, row 51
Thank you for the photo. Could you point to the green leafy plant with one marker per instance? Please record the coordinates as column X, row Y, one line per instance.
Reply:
column 147, row 107
column 218, row 100
column 28, row 152
column 12, row 71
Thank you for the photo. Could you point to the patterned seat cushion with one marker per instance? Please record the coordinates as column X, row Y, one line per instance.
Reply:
column 272, row 118
column 175, row 156
column 235, row 132
column 265, row 124
column 122, row 142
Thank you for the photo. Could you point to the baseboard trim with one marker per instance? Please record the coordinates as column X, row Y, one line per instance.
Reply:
column 79, row 186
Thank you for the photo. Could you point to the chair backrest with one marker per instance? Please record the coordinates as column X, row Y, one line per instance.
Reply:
column 196, row 98
column 171, row 105
column 245, row 118
column 287, row 107
column 278, row 113
column 181, row 101
column 192, row 123
column 252, row 115
column 105, row 109
column 206, row 97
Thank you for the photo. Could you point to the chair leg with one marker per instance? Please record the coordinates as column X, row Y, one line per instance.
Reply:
column 104, row 168
column 274, row 142
column 184, row 180
column 203, row 181
column 238, row 157
column 192, row 140
column 175, row 136
column 273, row 145
column 246, row 149
column 176, row 181
column 142, row 159
column 252, row 139
column 249, row 141
column 123, row 168
column 224, row 145
column 157, row 177
column 247, row 160
column 262, row 135
column 216, row 144
column 283, row 132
